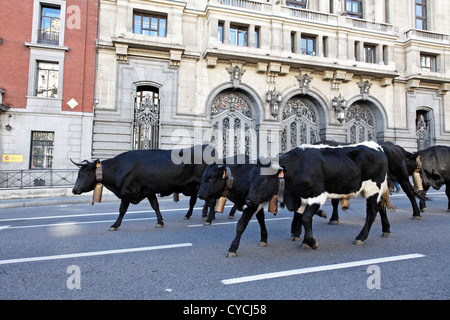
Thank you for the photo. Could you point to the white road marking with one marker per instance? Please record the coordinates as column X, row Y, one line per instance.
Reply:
column 287, row 273
column 72, row 223
column 92, row 214
column 94, row 253
column 235, row 222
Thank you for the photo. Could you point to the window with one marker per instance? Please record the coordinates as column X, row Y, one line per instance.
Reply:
column 150, row 24
column 220, row 32
column 297, row 3
column 308, row 45
column 353, row 8
column 428, row 62
column 49, row 25
column 47, row 79
column 370, row 53
column 256, row 37
column 421, row 14
column 41, row 149
column 238, row 36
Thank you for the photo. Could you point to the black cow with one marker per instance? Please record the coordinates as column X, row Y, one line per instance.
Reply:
column 435, row 170
column 138, row 174
column 399, row 169
column 243, row 173
column 314, row 174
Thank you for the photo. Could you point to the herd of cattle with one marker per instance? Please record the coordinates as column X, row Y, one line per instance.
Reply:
column 301, row 180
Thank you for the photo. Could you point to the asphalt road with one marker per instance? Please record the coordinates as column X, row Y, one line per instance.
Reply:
column 67, row 252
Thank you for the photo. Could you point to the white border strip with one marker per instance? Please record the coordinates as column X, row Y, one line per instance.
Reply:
column 287, row 273
column 94, row 253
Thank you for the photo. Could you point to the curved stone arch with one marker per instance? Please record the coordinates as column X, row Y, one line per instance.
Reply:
column 377, row 108
column 316, row 98
column 234, row 128
column 249, row 92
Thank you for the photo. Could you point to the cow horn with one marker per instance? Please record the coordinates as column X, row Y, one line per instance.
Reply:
column 80, row 164
column 275, row 166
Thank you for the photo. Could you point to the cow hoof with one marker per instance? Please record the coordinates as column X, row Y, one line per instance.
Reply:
column 295, row 239
column 385, row 234
column 416, row 218
column 333, row 223
column 159, row 225
column 305, row 246
column 112, row 229
column 232, row 217
column 263, row 244
column 231, row 254
column 321, row 214
column 358, row 242
column 186, row 218
column 207, row 223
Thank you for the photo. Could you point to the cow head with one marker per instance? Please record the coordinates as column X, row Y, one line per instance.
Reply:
column 86, row 179
column 263, row 181
column 290, row 198
column 213, row 182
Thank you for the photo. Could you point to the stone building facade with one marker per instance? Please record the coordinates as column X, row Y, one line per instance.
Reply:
column 262, row 75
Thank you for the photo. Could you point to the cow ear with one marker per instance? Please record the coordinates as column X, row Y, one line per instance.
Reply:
column 221, row 171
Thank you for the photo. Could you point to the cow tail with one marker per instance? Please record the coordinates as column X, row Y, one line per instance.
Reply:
column 386, row 201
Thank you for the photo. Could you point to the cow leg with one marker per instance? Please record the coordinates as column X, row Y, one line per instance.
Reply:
column 240, row 228
column 422, row 204
column 409, row 191
column 447, row 192
column 371, row 212
column 155, row 205
column 212, row 212
column 232, row 212
column 385, row 225
column 309, row 241
column 296, row 226
column 192, row 202
column 122, row 210
column 334, row 220
column 262, row 225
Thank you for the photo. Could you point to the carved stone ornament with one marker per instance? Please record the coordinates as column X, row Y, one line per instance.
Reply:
column 236, row 73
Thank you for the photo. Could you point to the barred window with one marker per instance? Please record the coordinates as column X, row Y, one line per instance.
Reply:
column 41, row 149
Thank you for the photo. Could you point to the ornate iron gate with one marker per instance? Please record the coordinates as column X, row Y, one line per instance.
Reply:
column 146, row 118
column 299, row 124
column 233, row 125
column 360, row 123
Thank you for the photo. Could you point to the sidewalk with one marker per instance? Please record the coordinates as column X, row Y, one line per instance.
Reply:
column 46, row 197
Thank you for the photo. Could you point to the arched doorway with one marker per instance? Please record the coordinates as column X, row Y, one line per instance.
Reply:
column 360, row 123
column 146, row 118
column 233, row 120
column 300, row 123
column 424, row 129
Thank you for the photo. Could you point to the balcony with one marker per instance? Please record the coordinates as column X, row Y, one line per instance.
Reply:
column 48, row 36
column 244, row 4
column 369, row 25
column 424, row 35
column 310, row 15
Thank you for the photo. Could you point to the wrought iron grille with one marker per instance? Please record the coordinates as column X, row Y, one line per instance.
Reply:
column 52, row 178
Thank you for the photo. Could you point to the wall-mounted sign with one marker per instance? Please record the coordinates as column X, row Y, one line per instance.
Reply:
column 12, row 158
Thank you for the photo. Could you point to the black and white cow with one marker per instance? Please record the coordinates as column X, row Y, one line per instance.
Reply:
column 399, row 169
column 315, row 173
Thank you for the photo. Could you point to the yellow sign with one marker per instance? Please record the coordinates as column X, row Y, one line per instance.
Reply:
column 12, row 158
